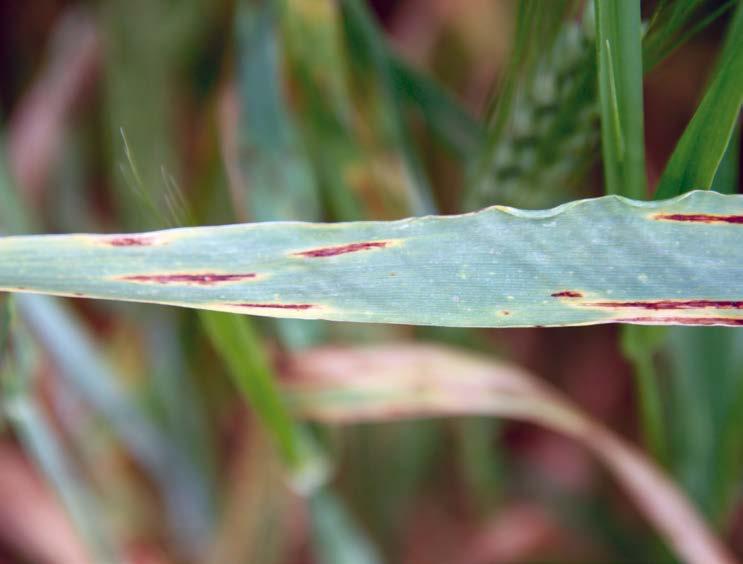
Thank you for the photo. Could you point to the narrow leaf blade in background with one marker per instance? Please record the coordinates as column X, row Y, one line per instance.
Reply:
column 384, row 383
column 698, row 153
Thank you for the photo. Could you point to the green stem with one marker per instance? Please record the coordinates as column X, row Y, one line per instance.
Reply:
column 651, row 407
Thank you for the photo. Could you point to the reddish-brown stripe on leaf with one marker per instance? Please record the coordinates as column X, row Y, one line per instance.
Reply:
column 671, row 304
column 699, row 218
column 129, row 241
column 278, row 306
column 203, row 279
column 342, row 249
column 567, row 294
column 683, row 320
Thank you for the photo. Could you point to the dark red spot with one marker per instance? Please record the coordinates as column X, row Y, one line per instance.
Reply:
column 343, row 249
column 201, row 279
column 684, row 320
column 700, row 217
column 129, row 242
column 567, row 294
column 672, row 304
column 278, row 306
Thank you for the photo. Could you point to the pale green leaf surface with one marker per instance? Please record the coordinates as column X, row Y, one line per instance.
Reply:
column 603, row 260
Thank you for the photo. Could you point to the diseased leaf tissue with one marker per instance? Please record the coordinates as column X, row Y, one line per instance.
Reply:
column 593, row 261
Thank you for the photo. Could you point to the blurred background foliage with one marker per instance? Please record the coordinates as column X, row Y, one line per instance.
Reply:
column 126, row 436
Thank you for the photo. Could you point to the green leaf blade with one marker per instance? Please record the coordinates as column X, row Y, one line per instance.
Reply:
column 593, row 261
column 619, row 57
column 697, row 156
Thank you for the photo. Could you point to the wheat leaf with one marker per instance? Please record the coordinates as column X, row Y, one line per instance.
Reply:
column 601, row 260
column 392, row 382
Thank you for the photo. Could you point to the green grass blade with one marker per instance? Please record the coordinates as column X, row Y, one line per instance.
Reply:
column 697, row 155
column 592, row 261
column 240, row 347
column 619, row 61
column 545, row 137
column 639, row 346
column 619, row 56
column 674, row 23
column 242, row 351
column 727, row 176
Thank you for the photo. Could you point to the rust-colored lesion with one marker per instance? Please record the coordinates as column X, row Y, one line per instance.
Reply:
column 680, row 320
column 128, row 241
column 201, row 279
column 324, row 252
column 699, row 218
column 299, row 307
column 567, row 294
column 660, row 305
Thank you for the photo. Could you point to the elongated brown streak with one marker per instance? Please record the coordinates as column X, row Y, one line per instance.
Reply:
column 735, row 322
column 129, row 241
column 202, row 279
column 670, row 304
column 699, row 218
column 567, row 294
column 342, row 249
column 278, row 306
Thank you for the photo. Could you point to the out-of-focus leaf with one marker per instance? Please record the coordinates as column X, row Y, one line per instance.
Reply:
column 675, row 22
column 697, row 155
column 257, row 505
column 383, row 496
column 706, row 386
column 368, row 50
column 145, row 42
column 280, row 183
column 4, row 325
column 542, row 122
column 335, row 536
column 393, row 382
column 592, row 261
column 322, row 94
column 73, row 351
column 459, row 131
column 46, row 449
